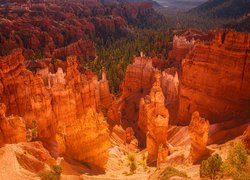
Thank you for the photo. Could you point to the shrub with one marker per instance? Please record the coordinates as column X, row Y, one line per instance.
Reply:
column 170, row 172
column 51, row 175
column 237, row 164
column 57, row 169
column 211, row 166
column 132, row 164
column 238, row 156
column 143, row 162
column 31, row 131
column 48, row 175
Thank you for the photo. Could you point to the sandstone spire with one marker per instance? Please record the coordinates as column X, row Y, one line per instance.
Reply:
column 153, row 120
column 198, row 132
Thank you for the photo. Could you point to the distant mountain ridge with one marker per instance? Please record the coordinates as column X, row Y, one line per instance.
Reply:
column 223, row 9
column 180, row 4
column 154, row 3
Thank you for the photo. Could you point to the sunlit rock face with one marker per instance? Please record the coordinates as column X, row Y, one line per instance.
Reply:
column 198, row 132
column 25, row 95
column 137, row 83
column 215, row 79
column 153, row 120
column 24, row 160
column 87, row 138
column 58, row 102
column 184, row 43
column 12, row 128
column 170, row 88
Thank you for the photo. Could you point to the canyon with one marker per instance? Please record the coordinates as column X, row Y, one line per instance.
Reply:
column 75, row 113
column 57, row 116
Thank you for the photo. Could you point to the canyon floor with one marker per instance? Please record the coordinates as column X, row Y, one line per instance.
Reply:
column 118, row 165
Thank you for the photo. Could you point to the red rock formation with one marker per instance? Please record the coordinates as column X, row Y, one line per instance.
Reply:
column 12, row 128
column 181, row 47
column 184, row 43
column 25, row 94
column 24, row 160
column 61, row 28
column 215, row 79
column 154, row 114
column 137, row 83
column 162, row 155
column 198, row 132
column 170, row 89
column 82, row 48
column 63, row 105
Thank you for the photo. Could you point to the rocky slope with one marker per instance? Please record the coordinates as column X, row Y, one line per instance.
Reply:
column 63, row 105
column 24, row 161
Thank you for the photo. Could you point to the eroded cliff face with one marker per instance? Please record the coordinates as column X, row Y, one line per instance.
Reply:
column 215, row 79
column 12, row 128
column 184, row 43
column 63, row 104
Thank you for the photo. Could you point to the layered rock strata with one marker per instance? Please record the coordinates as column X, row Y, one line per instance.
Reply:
column 184, row 43
column 198, row 132
column 64, row 106
column 24, row 160
column 12, row 128
column 215, row 79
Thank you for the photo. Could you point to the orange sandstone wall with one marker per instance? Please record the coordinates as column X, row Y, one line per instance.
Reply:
column 215, row 79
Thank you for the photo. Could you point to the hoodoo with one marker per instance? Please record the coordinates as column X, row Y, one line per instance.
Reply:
column 63, row 106
column 153, row 120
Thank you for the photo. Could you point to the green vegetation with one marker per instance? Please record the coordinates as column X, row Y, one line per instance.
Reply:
column 31, row 131
column 182, row 20
column 132, row 163
column 211, row 166
column 116, row 54
column 237, row 164
column 143, row 162
column 51, row 175
column 57, row 169
column 170, row 172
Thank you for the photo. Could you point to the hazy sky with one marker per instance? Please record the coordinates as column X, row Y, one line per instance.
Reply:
column 181, row 3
